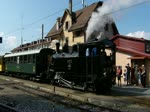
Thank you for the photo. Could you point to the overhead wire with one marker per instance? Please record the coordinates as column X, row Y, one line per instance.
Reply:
column 27, row 26
column 30, row 24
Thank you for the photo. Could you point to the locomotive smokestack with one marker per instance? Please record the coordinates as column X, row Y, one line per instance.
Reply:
column 70, row 6
column 66, row 47
column 57, row 47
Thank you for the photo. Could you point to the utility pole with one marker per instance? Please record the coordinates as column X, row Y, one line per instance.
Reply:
column 42, row 34
column 21, row 30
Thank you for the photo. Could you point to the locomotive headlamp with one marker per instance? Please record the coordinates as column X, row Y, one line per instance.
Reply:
column 104, row 74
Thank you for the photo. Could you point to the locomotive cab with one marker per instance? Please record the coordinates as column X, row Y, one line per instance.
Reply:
column 99, row 59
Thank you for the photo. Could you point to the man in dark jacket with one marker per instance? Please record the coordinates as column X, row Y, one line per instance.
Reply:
column 128, row 73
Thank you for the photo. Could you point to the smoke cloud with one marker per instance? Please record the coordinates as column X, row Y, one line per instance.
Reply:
column 103, row 14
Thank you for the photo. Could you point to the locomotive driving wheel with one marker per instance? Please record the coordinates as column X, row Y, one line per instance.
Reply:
column 85, row 86
column 101, row 86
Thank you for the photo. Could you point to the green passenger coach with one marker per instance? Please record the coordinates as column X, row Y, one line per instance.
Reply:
column 30, row 64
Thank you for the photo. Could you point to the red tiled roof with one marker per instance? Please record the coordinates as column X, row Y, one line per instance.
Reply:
column 82, row 16
column 128, row 37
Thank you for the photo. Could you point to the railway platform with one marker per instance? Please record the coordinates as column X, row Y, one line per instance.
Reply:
column 132, row 90
column 124, row 99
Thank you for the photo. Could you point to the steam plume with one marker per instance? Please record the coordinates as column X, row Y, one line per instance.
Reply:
column 103, row 14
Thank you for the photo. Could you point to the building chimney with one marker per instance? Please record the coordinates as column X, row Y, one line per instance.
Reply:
column 58, row 23
column 83, row 3
column 70, row 6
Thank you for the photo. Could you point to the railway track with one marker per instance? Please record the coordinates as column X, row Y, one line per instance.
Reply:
column 83, row 101
column 63, row 100
column 6, row 108
column 56, row 99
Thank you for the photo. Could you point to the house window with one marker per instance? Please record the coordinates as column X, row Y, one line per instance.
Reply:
column 78, row 33
column 147, row 46
column 67, row 25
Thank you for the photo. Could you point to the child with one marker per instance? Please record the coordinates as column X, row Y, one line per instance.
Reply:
column 119, row 73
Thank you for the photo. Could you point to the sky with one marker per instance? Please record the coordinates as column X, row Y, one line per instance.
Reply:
column 24, row 18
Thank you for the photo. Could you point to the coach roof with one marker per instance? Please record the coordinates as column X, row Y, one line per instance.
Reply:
column 23, row 53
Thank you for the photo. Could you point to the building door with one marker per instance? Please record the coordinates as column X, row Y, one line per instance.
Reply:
column 136, row 62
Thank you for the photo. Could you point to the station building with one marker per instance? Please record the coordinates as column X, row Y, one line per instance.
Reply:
column 135, row 51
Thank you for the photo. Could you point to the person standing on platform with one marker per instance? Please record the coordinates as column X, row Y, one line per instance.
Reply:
column 128, row 73
column 119, row 73
column 125, row 75
column 136, row 74
column 139, row 76
column 143, row 76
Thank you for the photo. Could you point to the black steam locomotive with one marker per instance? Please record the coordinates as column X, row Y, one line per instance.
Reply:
column 88, row 67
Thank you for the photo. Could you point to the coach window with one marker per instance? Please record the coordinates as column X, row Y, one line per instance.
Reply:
column 21, row 59
column 25, row 58
column 12, row 60
column 0, row 60
column 34, row 58
column 15, row 59
column 29, row 58
column 7, row 60
column 3, row 60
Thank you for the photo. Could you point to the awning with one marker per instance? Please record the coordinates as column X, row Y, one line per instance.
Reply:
column 134, row 58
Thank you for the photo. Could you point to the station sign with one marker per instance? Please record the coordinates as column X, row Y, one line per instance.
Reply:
column 0, row 39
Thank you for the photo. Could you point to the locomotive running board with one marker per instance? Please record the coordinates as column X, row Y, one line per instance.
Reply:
column 77, row 87
column 67, row 83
